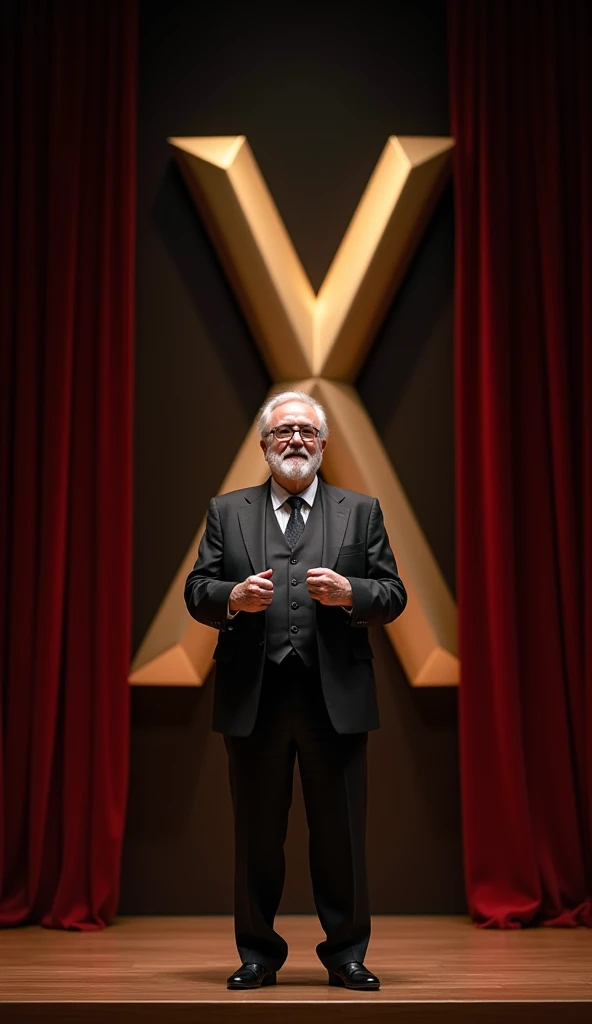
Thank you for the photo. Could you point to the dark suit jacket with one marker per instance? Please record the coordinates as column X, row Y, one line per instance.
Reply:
column 355, row 544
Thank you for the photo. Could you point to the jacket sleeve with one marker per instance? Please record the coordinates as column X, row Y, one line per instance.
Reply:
column 206, row 593
column 381, row 596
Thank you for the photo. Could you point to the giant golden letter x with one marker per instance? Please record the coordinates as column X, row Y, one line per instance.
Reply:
column 318, row 343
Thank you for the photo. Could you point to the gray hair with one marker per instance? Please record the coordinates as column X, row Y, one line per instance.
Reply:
column 292, row 396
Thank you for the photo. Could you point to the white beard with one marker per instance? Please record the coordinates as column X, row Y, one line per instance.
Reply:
column 294, row 469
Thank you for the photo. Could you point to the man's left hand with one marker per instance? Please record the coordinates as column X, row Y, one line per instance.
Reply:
column 328, row 587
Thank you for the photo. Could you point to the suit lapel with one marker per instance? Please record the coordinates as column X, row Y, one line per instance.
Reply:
column 251, row 519
column 335, row 519
column 252, row 524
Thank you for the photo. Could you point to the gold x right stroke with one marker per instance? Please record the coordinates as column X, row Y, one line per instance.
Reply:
column 318, row 343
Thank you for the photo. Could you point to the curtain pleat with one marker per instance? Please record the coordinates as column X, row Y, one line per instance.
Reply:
column 67, row 202
column 520, row 89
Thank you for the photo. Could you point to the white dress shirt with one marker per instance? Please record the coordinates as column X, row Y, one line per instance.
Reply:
column 279, row 500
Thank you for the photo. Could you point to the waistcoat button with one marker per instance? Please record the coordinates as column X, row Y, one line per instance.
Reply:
column 294, row 583
column 294, row 629
column 294, row 605
column 293, row 561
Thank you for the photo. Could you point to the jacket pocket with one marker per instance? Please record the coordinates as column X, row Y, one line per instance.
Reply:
column 361, row 652
column 351, row 549
column 224, row 651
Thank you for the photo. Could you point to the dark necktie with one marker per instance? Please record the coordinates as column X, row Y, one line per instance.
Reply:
column 295, row 522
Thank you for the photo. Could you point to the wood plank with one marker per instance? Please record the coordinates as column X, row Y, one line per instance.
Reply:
column 174, row 969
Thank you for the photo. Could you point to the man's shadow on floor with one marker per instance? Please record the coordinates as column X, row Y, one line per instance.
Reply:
column 298, row 980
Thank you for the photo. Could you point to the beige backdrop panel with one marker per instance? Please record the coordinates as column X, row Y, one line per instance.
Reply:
column 322, row 340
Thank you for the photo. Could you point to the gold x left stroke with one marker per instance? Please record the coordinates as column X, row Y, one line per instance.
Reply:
column 318, row 343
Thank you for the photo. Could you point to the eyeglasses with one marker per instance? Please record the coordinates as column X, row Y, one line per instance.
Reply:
column 286, row 433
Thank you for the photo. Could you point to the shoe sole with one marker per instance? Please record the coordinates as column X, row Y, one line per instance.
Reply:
column 338, row 982
column 269, row 979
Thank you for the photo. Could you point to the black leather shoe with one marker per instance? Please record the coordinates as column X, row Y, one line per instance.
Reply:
column 354, row 975
column 251, row 976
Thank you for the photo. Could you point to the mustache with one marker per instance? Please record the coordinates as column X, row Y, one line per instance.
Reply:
column 290, row 452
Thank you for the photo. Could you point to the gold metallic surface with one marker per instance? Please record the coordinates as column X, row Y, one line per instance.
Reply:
column 318, row 343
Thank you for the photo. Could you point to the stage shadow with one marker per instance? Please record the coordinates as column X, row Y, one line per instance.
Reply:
column 206, row 284
column 210, row 977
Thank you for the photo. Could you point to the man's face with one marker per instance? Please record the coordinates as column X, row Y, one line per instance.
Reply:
column 294, row 458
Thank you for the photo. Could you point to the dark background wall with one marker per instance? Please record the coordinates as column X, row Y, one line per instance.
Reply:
column 317, row 89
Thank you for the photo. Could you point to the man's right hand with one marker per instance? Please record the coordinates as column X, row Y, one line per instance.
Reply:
column 255, row 594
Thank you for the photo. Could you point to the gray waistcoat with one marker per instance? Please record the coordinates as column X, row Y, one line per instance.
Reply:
column 291, row 618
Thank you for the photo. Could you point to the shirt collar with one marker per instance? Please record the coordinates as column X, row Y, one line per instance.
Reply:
column 279, row 495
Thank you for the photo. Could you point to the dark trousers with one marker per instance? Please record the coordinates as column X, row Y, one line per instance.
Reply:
column 293, row 722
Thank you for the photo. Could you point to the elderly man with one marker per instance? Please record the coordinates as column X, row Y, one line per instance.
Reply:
column 292, row 573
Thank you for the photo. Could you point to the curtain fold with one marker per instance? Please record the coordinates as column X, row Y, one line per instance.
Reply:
column 67, row 205
column 521, row 110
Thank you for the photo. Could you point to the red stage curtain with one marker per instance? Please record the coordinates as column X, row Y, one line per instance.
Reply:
column 67, row 209
column 521, row 75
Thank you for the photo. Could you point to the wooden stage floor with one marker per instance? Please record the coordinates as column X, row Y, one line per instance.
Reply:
column 174, row 969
